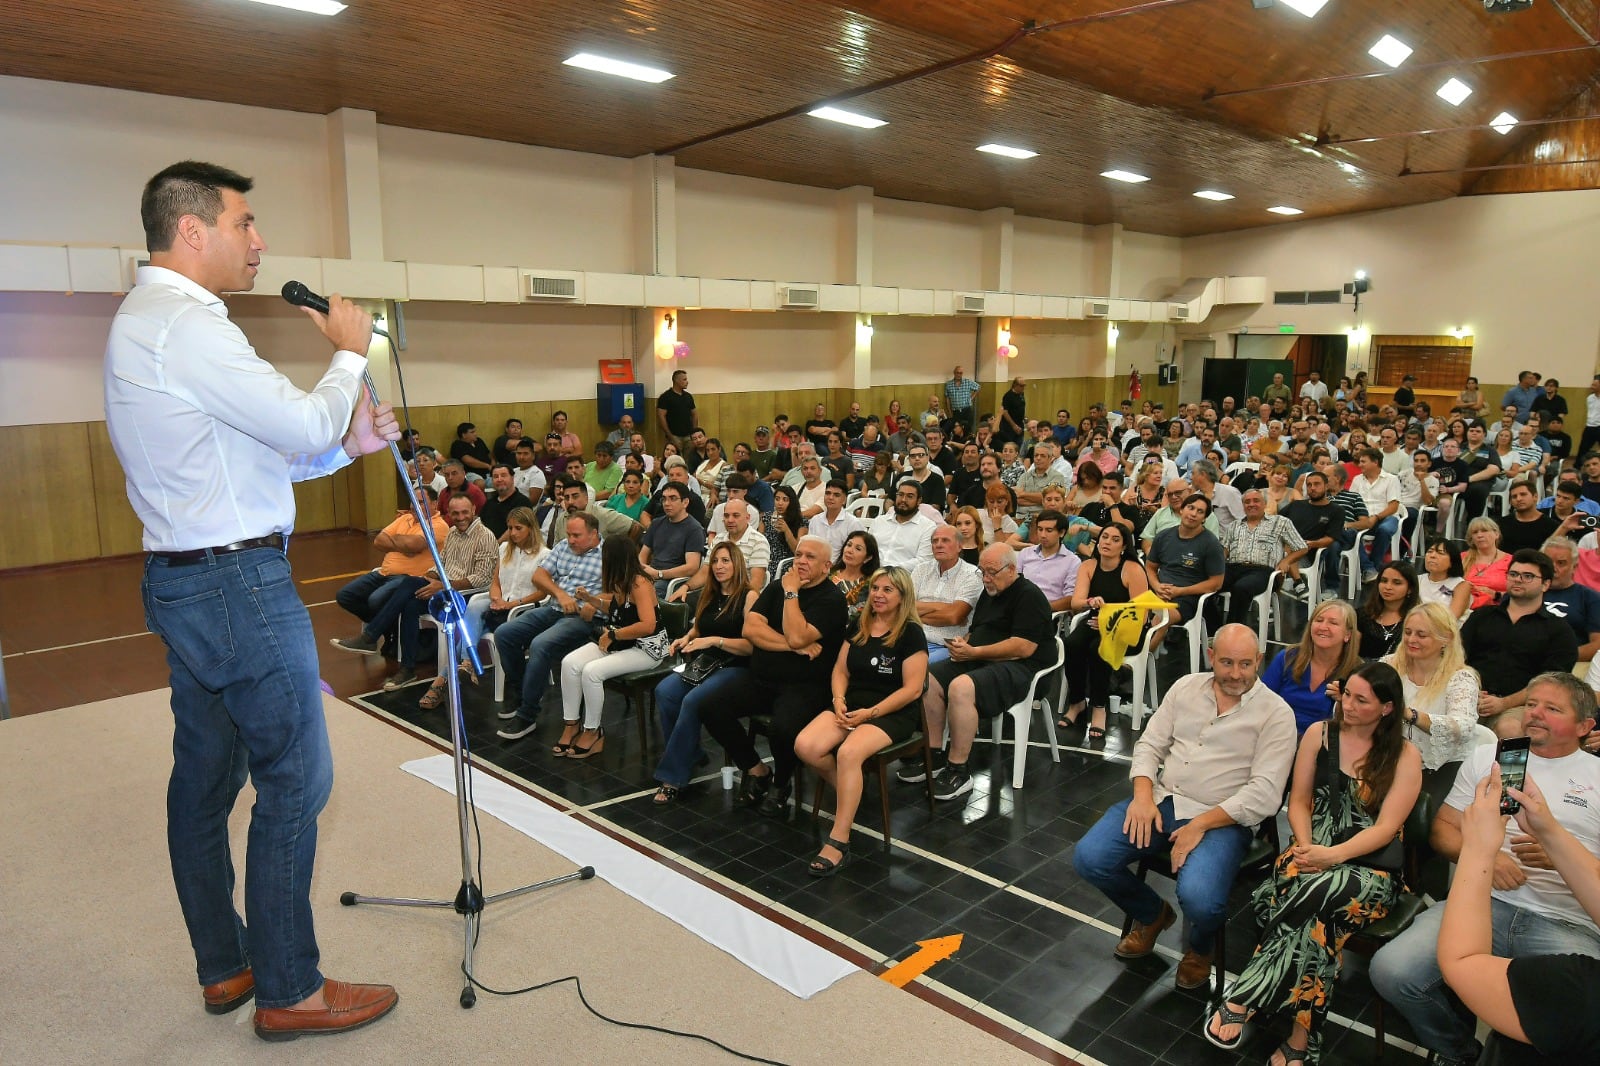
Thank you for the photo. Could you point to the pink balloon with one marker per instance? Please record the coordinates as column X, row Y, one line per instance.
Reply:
column 681, row 350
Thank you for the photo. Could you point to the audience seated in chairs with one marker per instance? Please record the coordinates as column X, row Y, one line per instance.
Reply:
column 471, row 452
column 1441, row 711
column 627, row 602
column 1443, row 581
column 504, row 499
column 947, row 590
column 1210, row 765
column 1010, row 639
column 969, row 527
column 1185, row 561
column 1111, row 575
column 1255, row 546
column 904, row 533
column 468, row 553
column 675, row 543
column 521, row 550
column 853, row 568
column 1355, row 782
column 877, row 682
column 530, row 644
column 796, row 626
column 717, row 635
column 1533, row 911
column 1484, row 564
column 1543, row 1008
column 456, row 484
column 1307, row 676
column 406, row 555
column 738, row 530
column 782, row 526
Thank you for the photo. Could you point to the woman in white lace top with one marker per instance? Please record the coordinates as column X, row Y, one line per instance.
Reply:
column 1441, row 715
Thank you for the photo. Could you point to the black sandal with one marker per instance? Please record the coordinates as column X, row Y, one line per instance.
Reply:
column 753, row 788
column 1290, row 1055
column 666, row 794
column 1226, row 1017
column 820, row 867
column 1068, row 720
column 1095, row 733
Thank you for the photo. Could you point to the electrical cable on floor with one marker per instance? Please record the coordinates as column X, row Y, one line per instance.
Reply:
column 472, row 805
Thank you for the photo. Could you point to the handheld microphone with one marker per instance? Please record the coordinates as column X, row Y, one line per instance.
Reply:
column 297, row 294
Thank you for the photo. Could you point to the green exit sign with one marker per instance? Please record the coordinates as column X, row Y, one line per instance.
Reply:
column 1286, row 327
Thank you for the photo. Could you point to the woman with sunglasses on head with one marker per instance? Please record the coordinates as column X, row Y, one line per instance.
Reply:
column 877, row 685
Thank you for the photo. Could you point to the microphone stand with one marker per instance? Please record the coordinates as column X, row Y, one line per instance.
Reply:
column 448, row 609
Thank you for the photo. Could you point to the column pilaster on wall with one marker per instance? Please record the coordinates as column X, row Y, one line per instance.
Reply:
column 353, row 170
column 991, row 368
column 655, row 215
column 999, row 232
column 858, row 335
column 1106, row 265
column 853, row 208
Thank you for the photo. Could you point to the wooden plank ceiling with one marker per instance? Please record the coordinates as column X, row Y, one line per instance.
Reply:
column 1219, row 94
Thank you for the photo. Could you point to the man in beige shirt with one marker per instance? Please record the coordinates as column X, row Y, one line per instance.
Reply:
column 1211, row 764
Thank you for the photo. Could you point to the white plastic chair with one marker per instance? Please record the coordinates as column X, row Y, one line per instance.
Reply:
column 1144, row 676
column 1350, row 561
column 866, row 508
column 1311, row 574
column 1195, row 630
column 1263, row 604
column 1021, row 715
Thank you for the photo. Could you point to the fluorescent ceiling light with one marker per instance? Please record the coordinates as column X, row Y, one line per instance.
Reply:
column 1504, row 123
column 1212, row 194
column 1308, row 8
column 315, row 7
column 1285, row 210
column 1454, row 92
column 601, row 64
column 1007, row 151
column 849, row 118
column 1390, row 50
column 1124, row 175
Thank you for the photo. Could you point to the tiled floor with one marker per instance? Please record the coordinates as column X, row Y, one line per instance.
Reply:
column 995, row 866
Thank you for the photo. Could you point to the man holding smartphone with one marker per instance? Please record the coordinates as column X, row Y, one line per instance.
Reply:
column 1533, row 910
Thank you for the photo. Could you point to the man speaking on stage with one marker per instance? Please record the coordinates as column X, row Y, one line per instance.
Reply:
column 211, row 438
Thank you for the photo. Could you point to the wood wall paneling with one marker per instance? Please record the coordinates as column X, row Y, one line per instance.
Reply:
column 121, row 532
column 50, row 524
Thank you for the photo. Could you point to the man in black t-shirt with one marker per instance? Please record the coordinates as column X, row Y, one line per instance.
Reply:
column 1011, row 638
column 1526, row 526
column 675, row 410
column 1318, row 521
column 499, row 504
column 471, row 452
column 796, row 626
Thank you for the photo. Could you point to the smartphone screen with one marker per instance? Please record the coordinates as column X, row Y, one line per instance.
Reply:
column 1512, row 755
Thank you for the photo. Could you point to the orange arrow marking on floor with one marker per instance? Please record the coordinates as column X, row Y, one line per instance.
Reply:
column 933, row 952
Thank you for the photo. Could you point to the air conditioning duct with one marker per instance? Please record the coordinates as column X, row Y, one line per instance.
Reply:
column 1177, row 312
column 803, row 297
column 969, row 303
column 551, row 286
column 1097, row 309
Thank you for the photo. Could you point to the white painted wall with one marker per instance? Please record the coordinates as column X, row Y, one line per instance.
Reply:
column 742, row 351
column 1518, row 271
column 734, row 227
column 1151, row 266
column 450, row 199
column 76, row 157
column 925, row 246
column 1052, row 257
column 907, row 349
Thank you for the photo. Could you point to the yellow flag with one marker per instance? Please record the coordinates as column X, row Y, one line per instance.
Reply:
column 1121, row 625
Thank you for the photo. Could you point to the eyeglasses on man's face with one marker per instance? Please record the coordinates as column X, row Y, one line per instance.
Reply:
column 992, row 573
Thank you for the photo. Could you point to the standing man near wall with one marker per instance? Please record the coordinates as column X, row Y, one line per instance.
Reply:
column 961, row 394
column 675, row 411
column 1013, row 413
column 211, row 439
column 1591, row 420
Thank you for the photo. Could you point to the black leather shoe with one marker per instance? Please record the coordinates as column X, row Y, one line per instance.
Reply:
column 775, row 804
column 753, row 789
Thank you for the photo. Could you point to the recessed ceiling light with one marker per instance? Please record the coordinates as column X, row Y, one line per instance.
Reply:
column 1454, row 91
column 1124, row 175
column 315, row 7
column 1212, row 194
column 1007, row 151
column 621, row 69
column 1504, row 123
column 1308, row 8
column 849, row 118
column 1390, row 50
column 1280, row 210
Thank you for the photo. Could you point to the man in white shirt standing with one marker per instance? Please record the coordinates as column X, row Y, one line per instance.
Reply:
column 834, row 524
column 904, row 534
column 211, row 439
column 947, row 588
column 1380, row 491
column 1315, row 389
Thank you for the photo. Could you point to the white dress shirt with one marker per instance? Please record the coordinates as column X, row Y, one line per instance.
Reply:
column 209, row 435
column 836, row 531
column 903, row 543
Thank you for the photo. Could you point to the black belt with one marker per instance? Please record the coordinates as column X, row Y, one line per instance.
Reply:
column 274, row 540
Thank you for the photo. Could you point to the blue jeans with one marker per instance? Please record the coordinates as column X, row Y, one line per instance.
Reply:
column 530, row 646
column 245, row 699
column 367, row 593
column 399, row 601
column 937, row 653
column 1104, row 854
column 1378, row 541
column 678, row 704
column 1406, row 971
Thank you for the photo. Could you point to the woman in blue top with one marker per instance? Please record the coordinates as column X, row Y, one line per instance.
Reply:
column 1327, row 652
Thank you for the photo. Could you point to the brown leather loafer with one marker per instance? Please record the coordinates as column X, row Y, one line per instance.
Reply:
column 229, row 995
column 347, row 1007
column 1194, row 971
column 1141, row 939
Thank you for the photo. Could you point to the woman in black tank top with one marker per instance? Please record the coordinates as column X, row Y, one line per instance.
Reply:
column 1109, row 576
